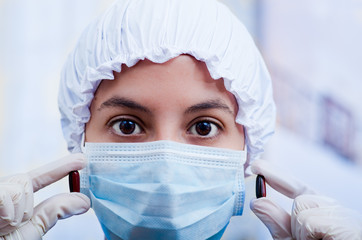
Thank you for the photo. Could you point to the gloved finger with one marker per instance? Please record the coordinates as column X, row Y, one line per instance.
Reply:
column 280, row 181
column 26, row 204
column 319, row 217
column 12, row 209
column 321, row 223
column 6, row 206
column 306, row 202
column 61, row 206
column 17, row 205
column 275, row 218
column 55, row 171
column 310, row 224
column 26, row 231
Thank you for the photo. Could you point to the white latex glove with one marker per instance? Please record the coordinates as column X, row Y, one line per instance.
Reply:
column 19, row 220
column 312, row 217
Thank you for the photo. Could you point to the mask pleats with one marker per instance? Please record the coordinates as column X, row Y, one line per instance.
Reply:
column 163, row 190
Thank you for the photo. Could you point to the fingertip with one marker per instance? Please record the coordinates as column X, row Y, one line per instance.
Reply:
column 256, row 203
column 86, row 200
column 81, row 158
column 77, row 160
column 255, row 166
column 252, row 202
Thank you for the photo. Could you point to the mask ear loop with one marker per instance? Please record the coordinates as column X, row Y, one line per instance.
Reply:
column 245, row 146
column 82, row 143
column 247, row 167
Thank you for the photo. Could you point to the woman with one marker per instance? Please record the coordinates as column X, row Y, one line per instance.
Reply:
column 174, row 104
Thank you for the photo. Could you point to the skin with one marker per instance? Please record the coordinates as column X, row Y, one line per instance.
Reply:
column 176, row 100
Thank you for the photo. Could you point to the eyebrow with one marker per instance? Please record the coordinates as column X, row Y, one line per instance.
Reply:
column 124, row 102
column 210, row 104
column 128, row 103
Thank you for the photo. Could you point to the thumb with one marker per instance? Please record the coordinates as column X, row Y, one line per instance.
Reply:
column 275, row 218
column 61, row 206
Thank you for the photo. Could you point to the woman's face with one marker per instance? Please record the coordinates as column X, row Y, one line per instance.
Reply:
column 176, row 100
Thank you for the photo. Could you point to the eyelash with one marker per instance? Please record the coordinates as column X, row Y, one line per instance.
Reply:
column 116, row 120
column 218, row 125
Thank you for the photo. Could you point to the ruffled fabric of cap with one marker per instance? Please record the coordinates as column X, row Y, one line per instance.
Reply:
column 159, row 30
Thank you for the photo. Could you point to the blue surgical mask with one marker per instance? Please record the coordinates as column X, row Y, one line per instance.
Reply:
column 163, row 189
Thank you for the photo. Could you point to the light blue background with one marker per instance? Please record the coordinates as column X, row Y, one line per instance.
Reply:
column 37, row 35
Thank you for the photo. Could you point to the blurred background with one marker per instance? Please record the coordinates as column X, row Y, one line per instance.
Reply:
column 312, row 49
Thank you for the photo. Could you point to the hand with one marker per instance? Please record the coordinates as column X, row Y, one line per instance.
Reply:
column 312, row 217
column 19, row 220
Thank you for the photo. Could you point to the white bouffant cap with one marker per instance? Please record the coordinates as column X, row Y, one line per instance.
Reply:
column 159, row 30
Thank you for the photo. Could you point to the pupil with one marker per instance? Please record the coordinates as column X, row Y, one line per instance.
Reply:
column 203, row 128
column 127, row 127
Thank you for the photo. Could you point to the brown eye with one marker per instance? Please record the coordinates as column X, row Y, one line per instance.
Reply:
column 126, row 127
column 204, row 129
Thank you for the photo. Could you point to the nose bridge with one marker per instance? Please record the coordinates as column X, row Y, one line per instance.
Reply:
column 168, row 129
column 167, row 134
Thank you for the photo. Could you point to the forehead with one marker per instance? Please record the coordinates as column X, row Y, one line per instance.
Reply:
column 180, row 80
